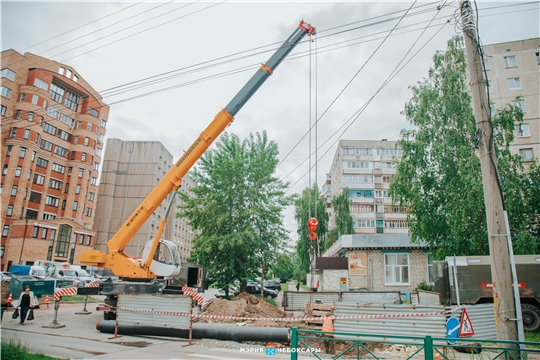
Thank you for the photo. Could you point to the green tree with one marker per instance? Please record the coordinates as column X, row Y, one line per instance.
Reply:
column 439, row 175
column 237, row 207
column 284, row 266
column 311, row 204
column 344, row 224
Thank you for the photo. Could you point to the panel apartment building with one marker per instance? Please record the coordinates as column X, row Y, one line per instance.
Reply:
column 365, row 167
column 131, row 169
column 53, row 125
column 513, row 69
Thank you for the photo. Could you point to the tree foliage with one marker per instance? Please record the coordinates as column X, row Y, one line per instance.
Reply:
column 237, row 206
column 310, row 204
column 439, row 175
column 344, row 224
column 283, row 267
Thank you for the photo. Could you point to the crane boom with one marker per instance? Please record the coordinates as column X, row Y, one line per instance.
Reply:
column 121, row 263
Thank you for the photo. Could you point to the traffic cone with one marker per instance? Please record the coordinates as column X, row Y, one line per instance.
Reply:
column 328, row 325
column 47, row 301
column 10, row 299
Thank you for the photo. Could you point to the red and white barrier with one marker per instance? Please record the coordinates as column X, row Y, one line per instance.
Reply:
column 290, row 319
column 64, row 292
column 193, row 294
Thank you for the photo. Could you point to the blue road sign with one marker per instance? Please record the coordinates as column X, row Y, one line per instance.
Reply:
column 452, row 330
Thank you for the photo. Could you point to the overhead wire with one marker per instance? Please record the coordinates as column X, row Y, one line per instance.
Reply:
column 38, row 109
column 363, row 107
column 41, row 111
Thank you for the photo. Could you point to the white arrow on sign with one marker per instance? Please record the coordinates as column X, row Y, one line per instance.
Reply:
column 454, row 329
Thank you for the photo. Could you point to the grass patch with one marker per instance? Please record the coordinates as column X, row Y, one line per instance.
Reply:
column 271, row 302
column 73, row 298
column 531, row 336
column 13, row 349
column 285, row 287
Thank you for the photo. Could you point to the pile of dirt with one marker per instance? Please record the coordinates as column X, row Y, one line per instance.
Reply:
column 243, row 305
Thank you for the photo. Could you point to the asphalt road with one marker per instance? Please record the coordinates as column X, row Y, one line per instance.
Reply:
column 79, row 339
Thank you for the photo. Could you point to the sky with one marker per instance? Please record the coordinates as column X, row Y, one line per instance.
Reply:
column 166, row 68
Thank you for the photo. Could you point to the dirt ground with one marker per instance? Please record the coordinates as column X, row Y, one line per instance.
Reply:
column 245, row 305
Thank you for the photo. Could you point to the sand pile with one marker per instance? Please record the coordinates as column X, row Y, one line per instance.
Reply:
column 243, row 305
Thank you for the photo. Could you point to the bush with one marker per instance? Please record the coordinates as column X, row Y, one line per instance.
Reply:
column 424, row 286
column 271, row 302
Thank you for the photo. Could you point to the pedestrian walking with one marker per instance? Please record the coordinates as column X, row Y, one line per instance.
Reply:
column 26, row 301
column 298, row 286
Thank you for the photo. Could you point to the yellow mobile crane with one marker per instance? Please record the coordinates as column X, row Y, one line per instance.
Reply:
column 147, row 268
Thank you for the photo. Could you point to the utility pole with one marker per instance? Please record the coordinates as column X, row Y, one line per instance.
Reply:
column 503, row 298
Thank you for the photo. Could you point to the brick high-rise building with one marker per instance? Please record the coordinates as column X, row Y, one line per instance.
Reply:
column 513, row 69
column 53, row 124
column 131, row 169
column 365, row 167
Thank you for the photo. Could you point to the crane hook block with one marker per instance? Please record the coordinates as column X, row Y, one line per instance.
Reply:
column 312, row 224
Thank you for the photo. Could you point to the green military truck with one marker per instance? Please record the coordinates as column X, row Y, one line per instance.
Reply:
column 475, row 286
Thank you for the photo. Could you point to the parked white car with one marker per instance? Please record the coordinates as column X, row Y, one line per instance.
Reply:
column 6, row 276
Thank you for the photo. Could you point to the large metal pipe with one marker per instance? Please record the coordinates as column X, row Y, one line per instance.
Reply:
column 200, row 331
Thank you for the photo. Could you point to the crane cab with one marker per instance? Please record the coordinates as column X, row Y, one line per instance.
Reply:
column 166, row 261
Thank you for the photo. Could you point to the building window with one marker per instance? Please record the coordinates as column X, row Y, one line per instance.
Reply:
column 21, row 97
column 62, row 244
column 96, row 166
column 9, row 211
column 52, row 201
column 3, row 110
column 53, row 232
column 18, row 171
column 83, row 157
column 44, row 233
column 13, row 132
column 35, row 232
column 5, row 230
column 8, row 74
column 514, row 83
column 523, row 130
column 62, row 151
column 75, row 205
column 538, row 58
column 103, row 123
column 73, row 154
column 81, row 239
column 486, row 64
column 430, row 274
column 42, row 162
column 94, row 181
column 49, row 129
column 57, row 93
column 61, row 70
column 510, row 61
column 98, row 151
column 22, row 153
column 46, row 145
column 357, row 165
column 63, row 204
column 4, row 172
column 5, row 92
column 14, row 190
column 91, row 196
column 92, row 112
column 396, row 269
column 64, row 135
column 35, row 99
column 526, row 155
column 67, row 120
column 89, row 126
column 18, row 115
column 88, row 239
column 71, row 101
column 53, row 112
column 9, row 148
column 78, row 189
column 58, row 168
column 81, row 172
column 31, row 214
column 41, row 84
column 55, row 184
column 520, row 104
column 88, row 211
